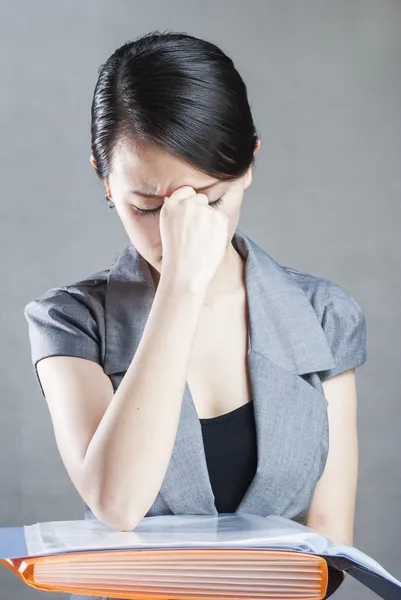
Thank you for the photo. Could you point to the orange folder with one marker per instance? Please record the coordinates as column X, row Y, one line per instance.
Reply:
column 178, row 574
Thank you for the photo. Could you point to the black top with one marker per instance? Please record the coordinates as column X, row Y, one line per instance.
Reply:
column 230, row 448
column 231, row 455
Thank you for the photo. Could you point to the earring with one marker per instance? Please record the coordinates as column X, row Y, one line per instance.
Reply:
column 109, row 201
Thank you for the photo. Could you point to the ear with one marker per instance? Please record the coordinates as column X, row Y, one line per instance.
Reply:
column 106, row 183
column 108, row 190
column 248, row 174
column 248, row 178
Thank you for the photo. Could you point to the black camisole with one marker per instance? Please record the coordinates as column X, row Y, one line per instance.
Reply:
column 230, row 447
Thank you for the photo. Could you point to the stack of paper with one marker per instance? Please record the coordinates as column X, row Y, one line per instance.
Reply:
column 220, row 557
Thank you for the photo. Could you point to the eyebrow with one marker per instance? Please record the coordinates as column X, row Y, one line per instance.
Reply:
column 197, row 191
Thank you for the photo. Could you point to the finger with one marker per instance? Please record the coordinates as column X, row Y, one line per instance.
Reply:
column 183, row 192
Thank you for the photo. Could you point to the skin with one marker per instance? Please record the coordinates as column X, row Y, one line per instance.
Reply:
column 332, row 510
column 135, row 169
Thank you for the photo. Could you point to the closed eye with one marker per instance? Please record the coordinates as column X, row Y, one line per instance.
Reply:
column 154, row 211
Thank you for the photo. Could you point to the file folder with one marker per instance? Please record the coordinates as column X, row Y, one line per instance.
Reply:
column 229, row 556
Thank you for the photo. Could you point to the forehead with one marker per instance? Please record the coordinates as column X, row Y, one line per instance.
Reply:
column 155, row 171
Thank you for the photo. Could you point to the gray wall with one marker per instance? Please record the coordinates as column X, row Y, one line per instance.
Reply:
column 325, row 89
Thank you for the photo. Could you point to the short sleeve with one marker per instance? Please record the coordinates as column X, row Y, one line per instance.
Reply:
column 62, row 323
column 344, row 325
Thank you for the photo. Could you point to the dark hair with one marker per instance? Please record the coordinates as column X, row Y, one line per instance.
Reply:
column 179, row 93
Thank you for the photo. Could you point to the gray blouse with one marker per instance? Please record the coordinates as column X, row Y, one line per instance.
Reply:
column 303, row 329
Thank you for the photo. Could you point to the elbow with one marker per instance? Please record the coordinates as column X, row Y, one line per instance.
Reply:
column 115, row 519
column 120, row 525
column 110, row 508
column 112, row 512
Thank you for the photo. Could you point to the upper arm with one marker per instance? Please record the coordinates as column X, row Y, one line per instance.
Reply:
column 333, row 505
column 332, row 510
column 66, row 355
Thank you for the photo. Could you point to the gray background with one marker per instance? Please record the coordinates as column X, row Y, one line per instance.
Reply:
column 325, row 89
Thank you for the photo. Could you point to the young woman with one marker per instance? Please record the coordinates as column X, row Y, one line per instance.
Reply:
column 196, row 375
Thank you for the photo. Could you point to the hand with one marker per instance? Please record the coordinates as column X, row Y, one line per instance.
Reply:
column 194, row 238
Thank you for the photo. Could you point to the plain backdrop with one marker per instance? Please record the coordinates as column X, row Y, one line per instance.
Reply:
column 324, row 84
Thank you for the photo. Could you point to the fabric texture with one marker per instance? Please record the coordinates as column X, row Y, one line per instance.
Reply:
column 67, row 321
column 303, row 329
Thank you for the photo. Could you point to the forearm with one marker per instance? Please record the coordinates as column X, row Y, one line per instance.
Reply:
column 128, row 456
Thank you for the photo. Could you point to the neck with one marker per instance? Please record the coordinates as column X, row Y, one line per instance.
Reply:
column 229, row 278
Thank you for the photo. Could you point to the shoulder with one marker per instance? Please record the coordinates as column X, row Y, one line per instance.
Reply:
column 86, row 295
column 69, row 320
column 325, row 295
column 341, row 317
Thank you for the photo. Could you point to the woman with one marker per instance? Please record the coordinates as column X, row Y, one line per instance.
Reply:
column 196, row 375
